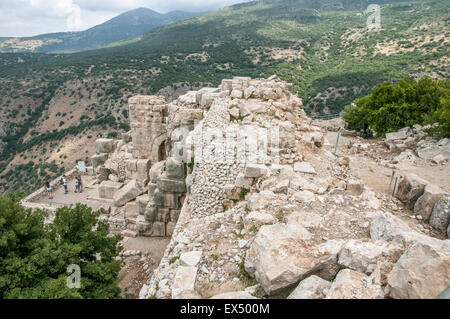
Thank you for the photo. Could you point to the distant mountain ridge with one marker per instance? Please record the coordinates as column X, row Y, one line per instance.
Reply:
column 123, row 27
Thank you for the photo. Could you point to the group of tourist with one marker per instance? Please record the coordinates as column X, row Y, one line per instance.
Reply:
column 63, row 182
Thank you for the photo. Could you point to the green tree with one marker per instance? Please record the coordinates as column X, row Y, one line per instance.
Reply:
column 34, row 256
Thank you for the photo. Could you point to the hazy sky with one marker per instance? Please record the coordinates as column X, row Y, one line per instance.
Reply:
column 32, row 17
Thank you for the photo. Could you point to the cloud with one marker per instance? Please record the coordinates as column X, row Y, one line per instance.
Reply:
column 32, row 17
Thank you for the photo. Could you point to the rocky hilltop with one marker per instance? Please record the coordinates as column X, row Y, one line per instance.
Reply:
column 258, row 205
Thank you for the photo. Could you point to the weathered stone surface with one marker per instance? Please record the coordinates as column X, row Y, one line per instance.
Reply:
column 300, row 183
column 423, row 272
column 258, row 219
column 410, row 188
column 279, row 257
column 98, row 160
column 259, row 201
column 388, row 227
column 304, row 167
column 234, row 295
column 104, row 145
column 171, row 186
column 243, row 182
column 126, row 194
column 350, row 284
column 142, row 202
column 159, row 229
column 401, row 135
column 363, row 255
column 131, row 210
column 425, row 204
column 170, row 228
column 304, row 196
column 190, row 259
column 255, row 170
column 286, row 172
column 156, row 171
column 108, row 189
column 184, row 281
column 142, row 169
column 312, row 287
column 142, row 226
column 355, row 187
column 174, row 169
column 440, row 217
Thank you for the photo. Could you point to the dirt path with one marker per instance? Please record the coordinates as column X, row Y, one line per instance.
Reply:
column 376, row 174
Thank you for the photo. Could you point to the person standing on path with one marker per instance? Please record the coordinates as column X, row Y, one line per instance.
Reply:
column 49, row 189
column 64, row 182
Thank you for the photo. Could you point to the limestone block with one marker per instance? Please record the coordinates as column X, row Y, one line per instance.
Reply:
column 410, row 188
column 279, row 256
column 156, row 171
column 304, row 167
column 388, row 227
column 191, row 259
column 401, row 135
column 104, row 145
column 108, row 189
column 170, row 228
column 159, row 229
column 151, row 188
column 151, row 212
column 237, row 94
column 425, row 204
column 255, row 170
column 98, row 160
column 350, row 284
column 258, row 219
column 102, row 174
column 162, row 215
column 143, row 227
column 364, row 255
column 143, row 167
column 440, row 217
column 243, row 182
column 142, row 202
column 126, row 194
column 171, row 186
column 423, row 272
column 184, row 281
column 175, row 169
column 312, row 287
column 131, row 210
column 174, row 215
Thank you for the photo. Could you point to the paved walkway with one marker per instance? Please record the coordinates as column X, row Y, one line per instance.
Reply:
column 89, row 191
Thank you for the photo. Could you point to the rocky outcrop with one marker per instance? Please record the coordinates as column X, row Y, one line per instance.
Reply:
column 440, row 216
column 312, row 287
column 350, row 284
column 423, row 272
column 410, row 189
column 425, row 204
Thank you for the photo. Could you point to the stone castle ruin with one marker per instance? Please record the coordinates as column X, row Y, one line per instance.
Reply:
column 256, row 203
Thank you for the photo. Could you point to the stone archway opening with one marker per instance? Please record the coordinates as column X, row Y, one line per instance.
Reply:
column 162, row 152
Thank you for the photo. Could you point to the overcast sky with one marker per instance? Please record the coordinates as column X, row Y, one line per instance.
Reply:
column 20, row 18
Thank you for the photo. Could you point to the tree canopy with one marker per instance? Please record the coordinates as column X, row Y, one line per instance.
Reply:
column 34, row 255
column 391, row 107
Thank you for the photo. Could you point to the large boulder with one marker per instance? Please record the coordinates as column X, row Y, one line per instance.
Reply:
column 255, row 170
column 390, row 228
column 312, row 287
column 425, row 204
column 364, row 255
column 423, row 272
column 108, row 189
column 440, row 217
column 304, row 167
column 128, row 193
column 410, row 188
column 350, row 284
column 396, row 136
column 280, row 257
